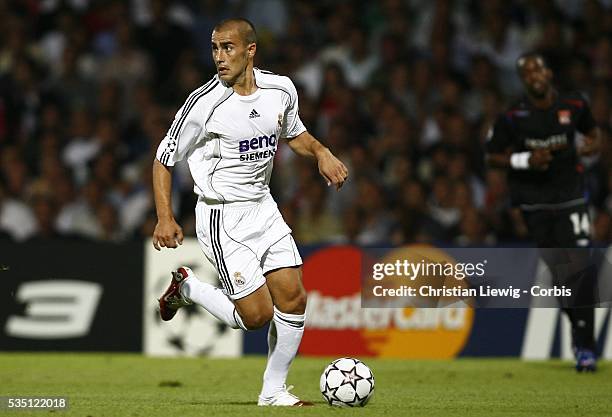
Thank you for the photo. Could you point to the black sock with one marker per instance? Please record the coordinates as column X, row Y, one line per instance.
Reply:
column 583, row 327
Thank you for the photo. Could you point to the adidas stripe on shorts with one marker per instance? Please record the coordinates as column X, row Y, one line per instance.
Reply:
column 245, row 240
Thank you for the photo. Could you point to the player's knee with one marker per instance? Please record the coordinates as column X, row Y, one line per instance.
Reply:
column 258, row 320
column 301, row 302
column 297, row 304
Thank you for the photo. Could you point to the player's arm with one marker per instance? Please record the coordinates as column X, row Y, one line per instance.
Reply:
column 167, row 231
column 537, row 159
column 500, row 153
column 330, row 167
column 591, row 143
column 183, row 135
column 304, row 144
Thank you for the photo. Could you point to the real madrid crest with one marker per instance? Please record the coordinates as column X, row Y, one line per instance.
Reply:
column 238, row 279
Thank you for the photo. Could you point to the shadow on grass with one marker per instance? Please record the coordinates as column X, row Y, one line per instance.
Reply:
column 242, row 403
column 248, row 403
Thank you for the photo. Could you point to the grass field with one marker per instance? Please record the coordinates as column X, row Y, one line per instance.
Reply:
column 114, row 385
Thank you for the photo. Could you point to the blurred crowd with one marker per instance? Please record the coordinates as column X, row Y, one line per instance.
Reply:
column 404, row 91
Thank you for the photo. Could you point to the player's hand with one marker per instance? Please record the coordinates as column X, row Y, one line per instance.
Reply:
column 540, row 159
column 589, row 147
column 167, row 234
column 332, row 169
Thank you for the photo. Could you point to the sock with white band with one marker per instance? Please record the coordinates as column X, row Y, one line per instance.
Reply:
column 213, row 300
column 284, row 337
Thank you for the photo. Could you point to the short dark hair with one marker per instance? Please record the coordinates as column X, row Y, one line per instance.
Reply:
column 245, row 27
column 521, row 60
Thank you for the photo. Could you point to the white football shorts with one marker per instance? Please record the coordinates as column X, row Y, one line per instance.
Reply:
column 244, row 241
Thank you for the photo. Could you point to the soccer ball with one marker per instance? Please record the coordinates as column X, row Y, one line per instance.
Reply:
column 347, row 382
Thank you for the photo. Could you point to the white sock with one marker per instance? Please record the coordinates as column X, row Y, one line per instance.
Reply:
column 284, row 337
column 213, row 300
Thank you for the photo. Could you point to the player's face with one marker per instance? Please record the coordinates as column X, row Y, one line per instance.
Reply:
column 230, row 54
column 536, row 77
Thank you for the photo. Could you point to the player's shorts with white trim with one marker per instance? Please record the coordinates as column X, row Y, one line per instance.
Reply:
column 244, row 241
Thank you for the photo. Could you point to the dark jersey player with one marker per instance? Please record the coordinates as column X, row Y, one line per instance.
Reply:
column 535, row 139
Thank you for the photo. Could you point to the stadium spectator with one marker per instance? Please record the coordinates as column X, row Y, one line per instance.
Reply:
column 16, row 217
column 315, row 223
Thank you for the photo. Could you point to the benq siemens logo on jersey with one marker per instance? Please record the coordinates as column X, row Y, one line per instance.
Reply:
column 254, row 149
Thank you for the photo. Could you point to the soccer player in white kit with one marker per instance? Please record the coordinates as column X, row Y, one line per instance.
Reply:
column 229, row 130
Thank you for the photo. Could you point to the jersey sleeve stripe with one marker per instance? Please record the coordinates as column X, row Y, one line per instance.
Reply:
column 176, row 128
column 172, row 132
column 165, row 158
column 189, row 101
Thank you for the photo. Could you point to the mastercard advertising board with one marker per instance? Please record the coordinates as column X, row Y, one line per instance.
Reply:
column 336, row 323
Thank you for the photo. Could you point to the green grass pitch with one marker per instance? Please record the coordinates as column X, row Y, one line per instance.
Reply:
column 116, row 385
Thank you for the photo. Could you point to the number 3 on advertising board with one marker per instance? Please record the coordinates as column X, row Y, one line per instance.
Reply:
column 55, row 309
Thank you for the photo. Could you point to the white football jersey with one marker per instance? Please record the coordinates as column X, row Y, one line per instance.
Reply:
column 230, row 140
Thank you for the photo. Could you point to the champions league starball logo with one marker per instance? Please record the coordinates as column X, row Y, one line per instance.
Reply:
column 192, row 332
